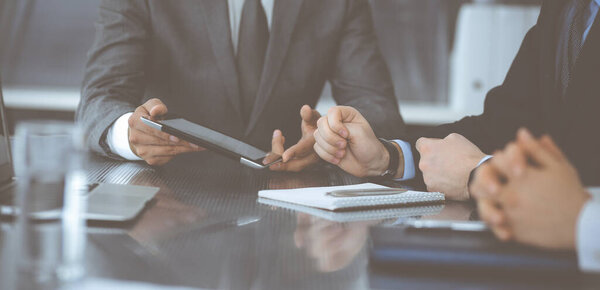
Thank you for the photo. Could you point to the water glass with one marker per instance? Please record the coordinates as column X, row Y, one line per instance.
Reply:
column 49, row 165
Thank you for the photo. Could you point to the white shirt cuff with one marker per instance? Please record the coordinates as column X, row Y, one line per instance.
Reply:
column 409, row 161
column 118, row 138
column 588, row 237
column 484, row 159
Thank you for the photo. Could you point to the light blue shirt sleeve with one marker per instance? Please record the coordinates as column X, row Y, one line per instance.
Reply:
column 591, row 15
column 409, row 161
column 484, row 159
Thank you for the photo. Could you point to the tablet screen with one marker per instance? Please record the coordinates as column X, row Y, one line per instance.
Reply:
column 216, row 138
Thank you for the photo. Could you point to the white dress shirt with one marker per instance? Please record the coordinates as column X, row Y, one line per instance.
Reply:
column 588, row 234
column 117, row 137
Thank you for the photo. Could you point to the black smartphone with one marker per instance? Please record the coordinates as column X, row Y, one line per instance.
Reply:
column 212, row 140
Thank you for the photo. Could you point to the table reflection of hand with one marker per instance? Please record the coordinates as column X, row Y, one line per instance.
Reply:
column 332, row 245
column 166, row 216
column 164, row 219
column 298, row 180
column 453, row 211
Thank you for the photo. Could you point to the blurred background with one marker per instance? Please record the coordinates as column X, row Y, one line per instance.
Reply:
column 444, row 55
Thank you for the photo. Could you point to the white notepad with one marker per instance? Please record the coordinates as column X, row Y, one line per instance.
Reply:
column 318, row 197
column 358, row 215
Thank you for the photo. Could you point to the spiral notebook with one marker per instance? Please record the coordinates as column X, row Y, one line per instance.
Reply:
column 358, row 215
column 320, row 197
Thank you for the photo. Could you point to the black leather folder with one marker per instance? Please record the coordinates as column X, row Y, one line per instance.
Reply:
column 445, row 250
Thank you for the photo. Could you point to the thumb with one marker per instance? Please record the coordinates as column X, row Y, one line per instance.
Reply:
column 277, row 142
column 302, row 148
column 155, row 107
column 534, row 149
column 423, row 144
column 309, row 115
column 337, row 116
column 549, row 144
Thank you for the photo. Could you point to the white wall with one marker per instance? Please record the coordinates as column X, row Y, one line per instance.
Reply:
column 487, row 39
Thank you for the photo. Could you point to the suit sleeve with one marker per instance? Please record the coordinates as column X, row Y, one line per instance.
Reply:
column 361, row 78
column 514, row 104
column 114, row 81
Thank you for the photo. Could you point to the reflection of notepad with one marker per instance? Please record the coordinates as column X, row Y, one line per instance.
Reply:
column 360, row 215
column 318, row 197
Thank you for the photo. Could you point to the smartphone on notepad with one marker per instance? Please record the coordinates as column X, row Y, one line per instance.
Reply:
column 212, row 140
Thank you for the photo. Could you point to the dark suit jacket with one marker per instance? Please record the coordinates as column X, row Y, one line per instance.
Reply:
column 529, row 97
column 181, row 52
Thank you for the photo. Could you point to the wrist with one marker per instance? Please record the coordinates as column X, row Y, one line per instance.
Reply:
column 381, row 163
column 401, row 166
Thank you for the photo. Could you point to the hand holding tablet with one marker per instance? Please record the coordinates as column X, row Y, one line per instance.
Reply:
column 214, row 141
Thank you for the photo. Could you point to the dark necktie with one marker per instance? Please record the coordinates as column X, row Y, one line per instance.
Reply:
column 576, row 29
column 252, row 47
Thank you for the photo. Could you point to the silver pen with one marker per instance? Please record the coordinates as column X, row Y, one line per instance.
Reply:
column 366, row 192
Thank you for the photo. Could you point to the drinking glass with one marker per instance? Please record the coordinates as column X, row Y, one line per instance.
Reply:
column 49, row 165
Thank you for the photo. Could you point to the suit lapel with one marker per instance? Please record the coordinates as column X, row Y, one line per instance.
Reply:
column 216, row 17
column 583, row 97
column 588, row 64
column 285, row 13
column 550, row 25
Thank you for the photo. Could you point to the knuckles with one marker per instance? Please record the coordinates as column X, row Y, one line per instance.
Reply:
column 422, row 145
column 153, row 162
column 423, row 165
column 133, row 139
column 320, row 122
column 453, row 136
column 131, row 120
column 141, row 152
column 333, row 110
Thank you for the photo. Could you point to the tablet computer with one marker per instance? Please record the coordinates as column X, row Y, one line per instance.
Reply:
column 213, row 140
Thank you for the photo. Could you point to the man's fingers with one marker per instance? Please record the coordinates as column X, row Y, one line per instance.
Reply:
column 327, row 147
column 328, row 135
column 511, row 162
column 277, row 142
column 495, row 218
column 533, row 148
column 302, row 148
column 155, row 108
column 309, row 116
column 491, row 214
column 423, row 145
column 137, row 137
column 549, row 144
column 152, row 151
column 136, row 123
column 486, row 183
column 325, row 155
column 336, row 117
column 159, row 160
column 270, row 158
column 296, row 165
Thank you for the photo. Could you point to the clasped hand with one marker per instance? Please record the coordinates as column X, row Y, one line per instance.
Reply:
column 529, row 192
